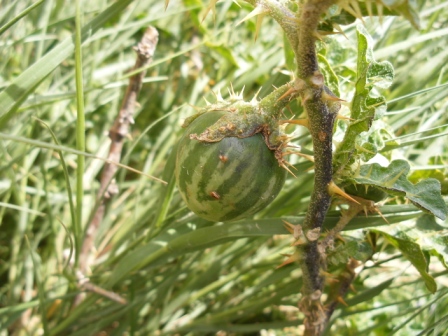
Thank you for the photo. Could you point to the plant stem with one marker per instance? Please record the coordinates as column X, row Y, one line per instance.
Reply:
column 321, row 119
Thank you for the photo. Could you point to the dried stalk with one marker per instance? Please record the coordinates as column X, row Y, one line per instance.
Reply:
column 118, row 132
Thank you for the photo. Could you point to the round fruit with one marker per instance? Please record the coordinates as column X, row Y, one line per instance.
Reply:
column 367, row 192
column 226, row 180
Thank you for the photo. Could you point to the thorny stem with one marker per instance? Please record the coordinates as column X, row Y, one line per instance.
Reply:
column 284, row 17
column 302, row 34
column 321, row 120
column 341, row 287
column 342, row 284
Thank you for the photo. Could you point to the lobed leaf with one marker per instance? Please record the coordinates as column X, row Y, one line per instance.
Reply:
column 412, row 251
column 365, row 107
column 392, row 179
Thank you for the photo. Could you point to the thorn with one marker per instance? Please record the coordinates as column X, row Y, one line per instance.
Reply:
column 369, row 9
column 288, row 226
column 328, row 275
column 366, row 211
column 257, row 11
column 291, row 258
column 342, row 117
column 254, row 99
column 283, row 138
column 206, row 101
column 306, row 96
column 381, row 215
column 332, row 280
column 379, row 9
column 295, row 230
column 287, row 93
column 287, row 169
column 301, row 122
column 329, row 97
column 286, row 254
column 318, row 36
column 167, row 2
column 290, row 165
column 306, row 156
column 356, row 8
column 334, row 189
column 299, row 242
column 338, row 236
column 327, row 33
column 353, row 288
column 339, row 29
column 350, row 10
column 341, row 300
column 218, row 95
column 240, row 95
column 258, row 25
column 231, row 90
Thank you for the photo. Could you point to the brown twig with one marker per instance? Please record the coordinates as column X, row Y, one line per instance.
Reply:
column 117, row 133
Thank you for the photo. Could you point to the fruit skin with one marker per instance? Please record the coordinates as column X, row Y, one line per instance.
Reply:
column 370, row 193
column 226, row 180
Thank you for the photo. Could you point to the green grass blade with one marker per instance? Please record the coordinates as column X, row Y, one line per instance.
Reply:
column 14, row 95
column 21, row 15
column 80, row 133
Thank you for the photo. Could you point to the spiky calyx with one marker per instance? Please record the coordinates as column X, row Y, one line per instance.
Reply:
column 247, row 118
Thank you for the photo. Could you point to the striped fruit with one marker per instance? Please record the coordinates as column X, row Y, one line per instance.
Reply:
column 226, row 180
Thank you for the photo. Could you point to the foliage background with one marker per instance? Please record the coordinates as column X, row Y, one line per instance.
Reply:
column 176, row 271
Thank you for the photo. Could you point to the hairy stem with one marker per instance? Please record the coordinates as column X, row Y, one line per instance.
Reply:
column 284, row 17
column 321, row 119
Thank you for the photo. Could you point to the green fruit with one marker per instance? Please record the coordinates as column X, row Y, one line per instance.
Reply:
column 367, row 192
column 226, row 180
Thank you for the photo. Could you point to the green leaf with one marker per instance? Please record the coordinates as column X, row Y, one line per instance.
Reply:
column 351, row 248
column 413, row 252
column 365, row 106
column 432, row 237
column 381, row 74
column 330, row 77
column 367, row 151
column 392, row 179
